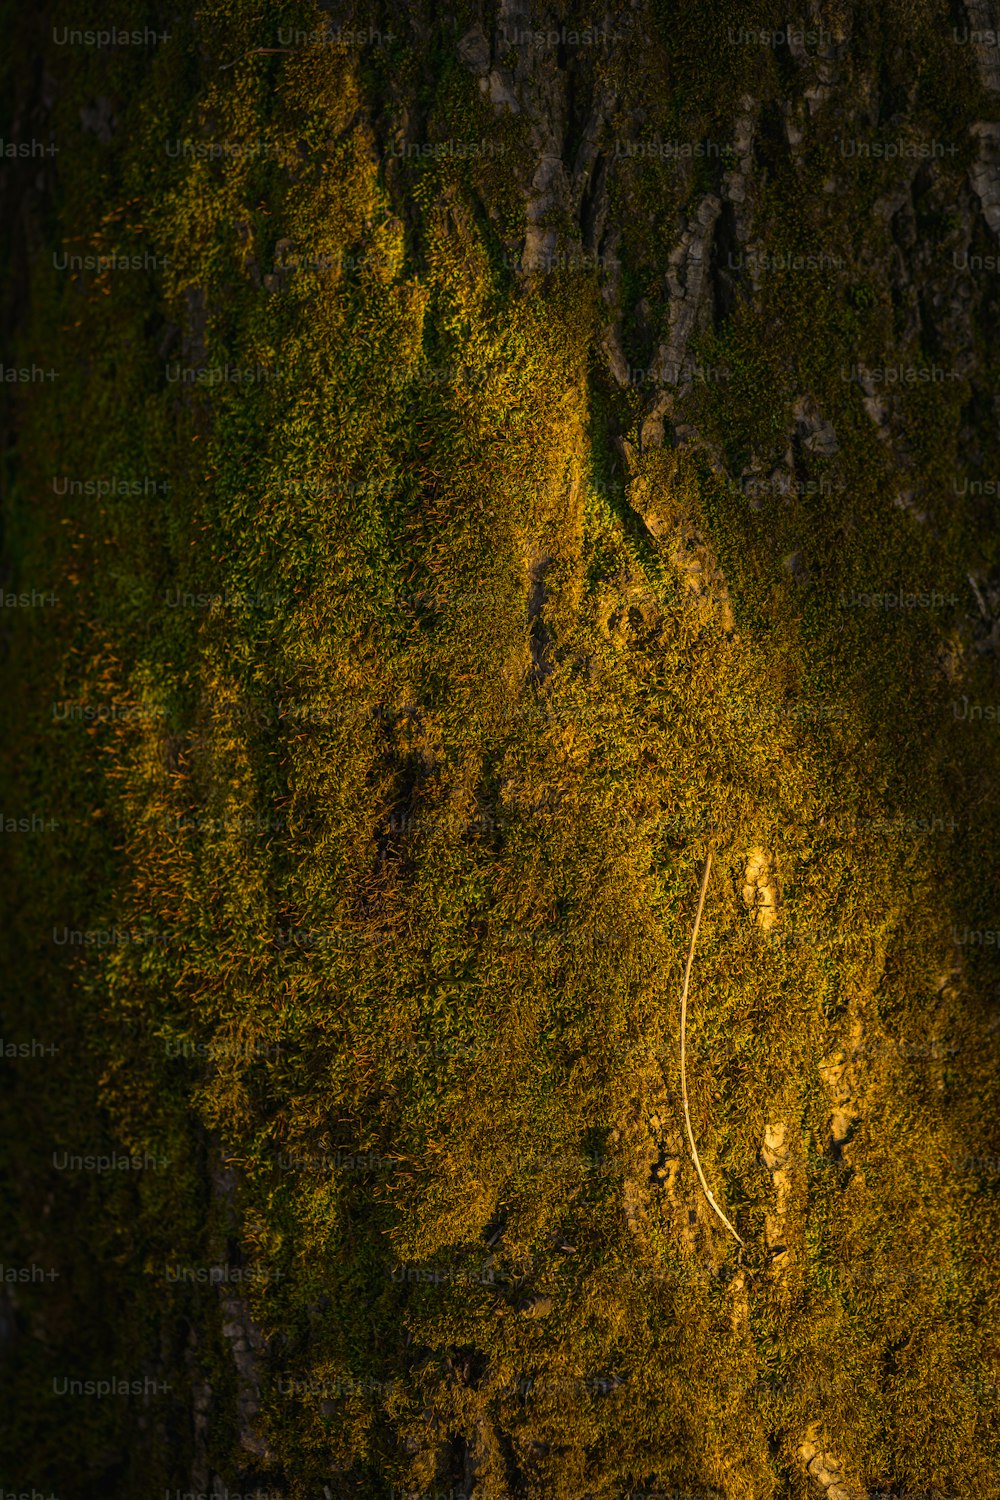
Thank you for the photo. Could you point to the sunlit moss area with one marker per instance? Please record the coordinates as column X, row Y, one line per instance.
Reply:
column 399, row 641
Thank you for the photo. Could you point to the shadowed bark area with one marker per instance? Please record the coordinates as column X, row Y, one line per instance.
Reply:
column 463, row 465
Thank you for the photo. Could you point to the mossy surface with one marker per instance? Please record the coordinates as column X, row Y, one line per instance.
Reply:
column 387, row 730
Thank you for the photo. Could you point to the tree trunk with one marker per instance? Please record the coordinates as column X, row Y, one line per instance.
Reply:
column 467, row 466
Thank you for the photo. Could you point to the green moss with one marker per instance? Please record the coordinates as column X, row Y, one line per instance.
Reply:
column 491, row 859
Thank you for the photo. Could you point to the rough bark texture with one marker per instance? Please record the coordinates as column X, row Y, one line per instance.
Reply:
column 525, row 446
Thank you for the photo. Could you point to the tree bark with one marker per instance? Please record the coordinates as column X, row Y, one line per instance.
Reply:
column 467, row 468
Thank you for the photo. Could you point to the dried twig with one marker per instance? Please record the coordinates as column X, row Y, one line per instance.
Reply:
column 684, row 1092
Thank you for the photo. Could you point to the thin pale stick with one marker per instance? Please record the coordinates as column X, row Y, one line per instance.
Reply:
column 684, row 1092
